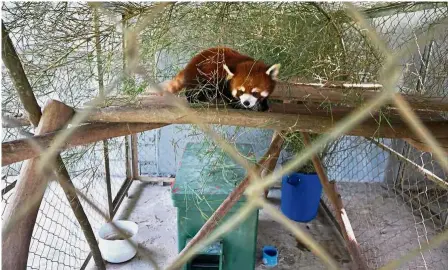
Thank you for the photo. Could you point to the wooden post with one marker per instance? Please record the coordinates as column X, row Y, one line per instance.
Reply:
column 267, row 162
column 128, row 157
column 17, row 240
column 341, row 215
column 107, row 176
column 22, row 149
column 134, row 152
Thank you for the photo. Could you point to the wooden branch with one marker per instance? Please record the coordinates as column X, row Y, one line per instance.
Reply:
column 159, row 112
column 66, row 183
column 270, row 158
column 349, row 94
column 18, row 150
column 19, row 79
column 31, row 183
column 431, row 176
column 424, row 147
column 341, row 215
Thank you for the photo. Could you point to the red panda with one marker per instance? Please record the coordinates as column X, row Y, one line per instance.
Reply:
column 240, row 80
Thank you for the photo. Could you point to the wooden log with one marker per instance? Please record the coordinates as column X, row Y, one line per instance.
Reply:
column 348, row 94
column 18, row 150
column 160, row 112
column 351, row 95
column 269, row 159
column 16, row 242
column 390, row 114
column 341, row 215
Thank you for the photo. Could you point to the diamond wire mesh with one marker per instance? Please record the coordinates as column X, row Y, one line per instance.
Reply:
column 370, row 194
column 58, row 241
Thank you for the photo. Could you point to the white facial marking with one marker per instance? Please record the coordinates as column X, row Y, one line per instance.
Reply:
column 247, row 100
column 264, row 94
column 255, row 90
column 234, row 91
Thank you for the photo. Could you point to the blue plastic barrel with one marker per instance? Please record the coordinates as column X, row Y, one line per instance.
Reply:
column 301, row 196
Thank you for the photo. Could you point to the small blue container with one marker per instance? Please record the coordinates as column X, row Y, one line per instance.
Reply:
column 270, row 256
column 301, row 196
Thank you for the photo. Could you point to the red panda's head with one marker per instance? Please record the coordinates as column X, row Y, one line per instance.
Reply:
column 251, row 82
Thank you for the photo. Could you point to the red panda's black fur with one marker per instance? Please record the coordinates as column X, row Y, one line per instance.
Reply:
column 239, row 79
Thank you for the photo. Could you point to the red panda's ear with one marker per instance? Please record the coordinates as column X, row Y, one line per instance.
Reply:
column 273, row 71
column 229, row 73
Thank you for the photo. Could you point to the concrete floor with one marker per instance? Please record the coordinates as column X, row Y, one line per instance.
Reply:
column 156, row 217
column 384, row 226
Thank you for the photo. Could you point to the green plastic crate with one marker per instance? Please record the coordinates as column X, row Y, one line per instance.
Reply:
column 205, row 178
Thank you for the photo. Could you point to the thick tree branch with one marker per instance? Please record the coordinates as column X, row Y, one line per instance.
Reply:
column 18, row 76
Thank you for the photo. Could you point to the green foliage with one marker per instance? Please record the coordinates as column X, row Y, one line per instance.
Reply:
column 311, row 41
column 132, row 87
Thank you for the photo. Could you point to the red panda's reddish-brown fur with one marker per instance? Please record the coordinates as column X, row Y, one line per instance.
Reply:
column 242, row 74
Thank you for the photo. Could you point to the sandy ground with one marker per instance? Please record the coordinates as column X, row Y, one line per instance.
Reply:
column 385, row 229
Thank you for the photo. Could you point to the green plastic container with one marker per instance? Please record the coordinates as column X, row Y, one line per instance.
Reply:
column 205, row 178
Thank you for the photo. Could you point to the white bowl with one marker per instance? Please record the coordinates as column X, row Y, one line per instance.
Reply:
column 115, row 249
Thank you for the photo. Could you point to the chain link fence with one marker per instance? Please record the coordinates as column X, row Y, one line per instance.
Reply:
column 58, row 241
column 392, row 204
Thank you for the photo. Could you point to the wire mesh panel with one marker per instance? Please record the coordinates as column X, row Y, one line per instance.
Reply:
column 58, row 241
column 388, row 218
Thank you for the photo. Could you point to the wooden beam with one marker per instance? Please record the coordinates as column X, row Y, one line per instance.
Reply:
column 349, row 94
column 341, row 215
column 159, row 112
column 326, row 110
column 22, row 149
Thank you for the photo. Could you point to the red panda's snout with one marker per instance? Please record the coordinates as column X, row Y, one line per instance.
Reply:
column 249, row 99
